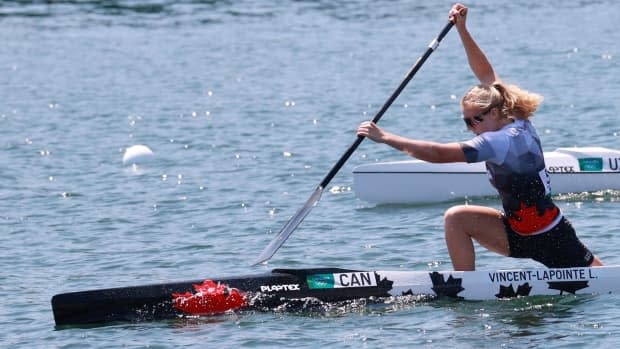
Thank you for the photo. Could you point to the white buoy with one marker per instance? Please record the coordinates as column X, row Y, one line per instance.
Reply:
column 136, row 154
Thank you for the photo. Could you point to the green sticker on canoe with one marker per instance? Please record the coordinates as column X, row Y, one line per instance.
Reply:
column 317, row 281
column 591, row 164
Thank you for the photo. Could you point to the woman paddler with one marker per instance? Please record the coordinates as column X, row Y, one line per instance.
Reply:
column 531, row 225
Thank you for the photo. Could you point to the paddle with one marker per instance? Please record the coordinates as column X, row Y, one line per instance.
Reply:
column 292, row 224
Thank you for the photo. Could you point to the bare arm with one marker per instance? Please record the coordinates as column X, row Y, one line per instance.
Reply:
column 478, row 62
column 423, row 150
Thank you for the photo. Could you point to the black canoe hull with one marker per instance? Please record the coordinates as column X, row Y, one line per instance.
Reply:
column 154, row 302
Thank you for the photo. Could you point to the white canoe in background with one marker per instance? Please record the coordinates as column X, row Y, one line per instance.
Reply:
column 572, row 170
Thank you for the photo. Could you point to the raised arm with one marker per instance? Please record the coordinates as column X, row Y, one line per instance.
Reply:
column 478, row 62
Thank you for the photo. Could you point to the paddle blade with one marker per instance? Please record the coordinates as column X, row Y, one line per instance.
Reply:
column 289, row 227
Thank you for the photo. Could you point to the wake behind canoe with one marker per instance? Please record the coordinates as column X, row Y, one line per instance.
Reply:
column 281, row 286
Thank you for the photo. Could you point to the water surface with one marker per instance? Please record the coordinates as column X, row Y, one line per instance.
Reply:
column 247, row 105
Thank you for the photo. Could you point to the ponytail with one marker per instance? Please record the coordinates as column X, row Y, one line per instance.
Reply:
column 518, row 102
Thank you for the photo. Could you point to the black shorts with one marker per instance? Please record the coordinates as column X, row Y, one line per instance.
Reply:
column 557, row 248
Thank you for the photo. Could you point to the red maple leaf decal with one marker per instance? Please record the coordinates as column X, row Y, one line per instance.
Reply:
column 210, row 298
column 528, row 220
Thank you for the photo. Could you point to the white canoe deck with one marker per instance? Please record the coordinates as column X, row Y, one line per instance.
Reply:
column 489, row 285
column 572, row 170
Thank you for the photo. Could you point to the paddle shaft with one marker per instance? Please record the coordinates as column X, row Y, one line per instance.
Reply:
column 431, row 47
column 292, row 224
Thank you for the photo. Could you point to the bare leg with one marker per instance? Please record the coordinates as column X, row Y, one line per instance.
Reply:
column 596, row 262
column 463, row 224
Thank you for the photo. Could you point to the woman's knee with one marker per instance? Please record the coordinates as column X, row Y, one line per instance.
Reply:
column 455, row 226
column 455, row 214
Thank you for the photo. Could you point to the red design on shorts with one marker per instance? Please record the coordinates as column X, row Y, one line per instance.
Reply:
column 526, row 220
column 210, row 298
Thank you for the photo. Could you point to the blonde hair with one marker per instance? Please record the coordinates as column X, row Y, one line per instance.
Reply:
column 512, row 100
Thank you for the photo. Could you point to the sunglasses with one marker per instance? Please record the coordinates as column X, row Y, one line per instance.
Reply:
column 476, row 119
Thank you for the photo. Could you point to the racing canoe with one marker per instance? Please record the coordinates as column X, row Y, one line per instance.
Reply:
column 572, row 170
column 290, row 286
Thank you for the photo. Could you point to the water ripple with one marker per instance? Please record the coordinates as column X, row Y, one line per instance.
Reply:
column 246, row 106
